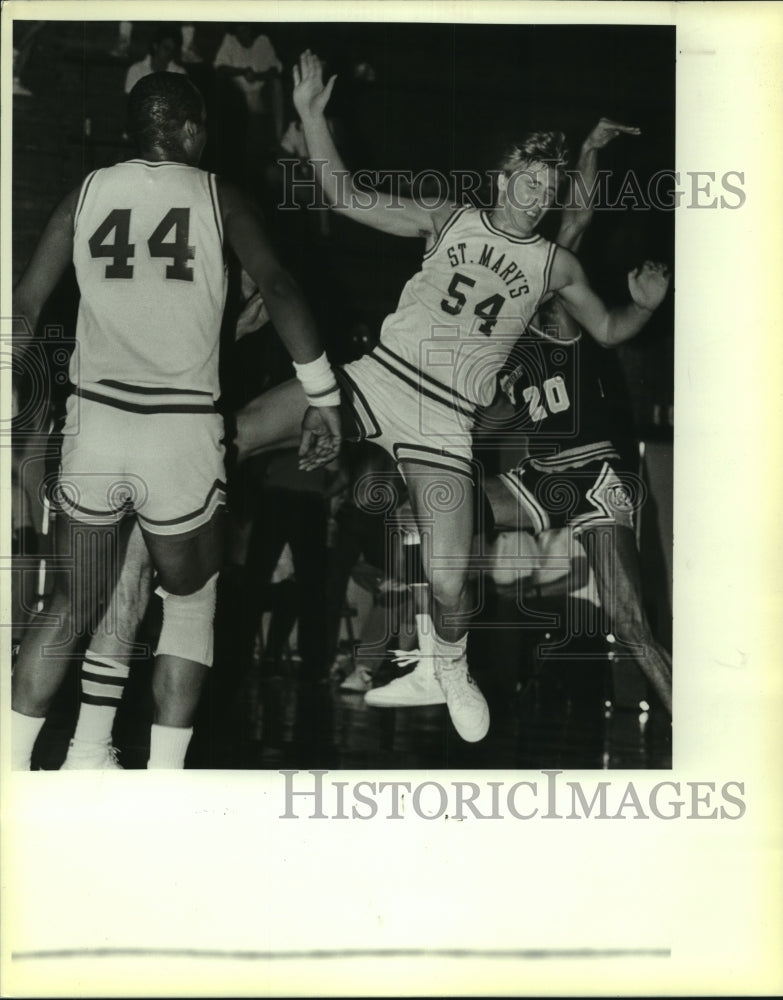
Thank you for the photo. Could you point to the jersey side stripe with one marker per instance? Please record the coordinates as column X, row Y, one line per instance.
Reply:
column 423, row 375
column 82, row 196
column 421, row 389
column 152, row 390
column 212, row 182
column 550, row 258
column 123, row 404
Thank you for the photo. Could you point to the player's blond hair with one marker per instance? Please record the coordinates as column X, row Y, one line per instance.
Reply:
column 536, row 147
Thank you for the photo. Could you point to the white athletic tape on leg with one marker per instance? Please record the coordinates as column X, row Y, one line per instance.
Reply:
column 188, row 624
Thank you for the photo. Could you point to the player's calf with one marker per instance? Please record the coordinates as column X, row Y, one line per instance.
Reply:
column 184, row 653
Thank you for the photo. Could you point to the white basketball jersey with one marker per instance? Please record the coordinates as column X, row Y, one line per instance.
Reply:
column 148, row 253
column 459, row 317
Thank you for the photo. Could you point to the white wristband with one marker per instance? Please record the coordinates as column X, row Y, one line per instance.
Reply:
column 318, row 382
column 329, row 399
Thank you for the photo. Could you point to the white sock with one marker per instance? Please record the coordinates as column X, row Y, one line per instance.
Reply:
column 425, row 632
column 24, row 733
column 188, row 33
column 168, row 746
column 126, row 29
column 95, row 724
column 102, row 684
column 449, row 650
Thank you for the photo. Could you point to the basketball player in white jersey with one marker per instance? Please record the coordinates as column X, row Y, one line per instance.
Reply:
column 483, row 277
column 142, row 436
column 560, row 408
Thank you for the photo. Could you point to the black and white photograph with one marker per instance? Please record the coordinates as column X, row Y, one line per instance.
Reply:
column 465, row 560
column 342, row 482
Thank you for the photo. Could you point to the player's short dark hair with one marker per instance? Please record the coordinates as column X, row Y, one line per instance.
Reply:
column 158, row 107
column 536, row 147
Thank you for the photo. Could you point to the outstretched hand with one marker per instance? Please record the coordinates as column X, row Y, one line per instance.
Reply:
column 648, row 284
column 605, row 131
column 321, row 437
column 311, row 95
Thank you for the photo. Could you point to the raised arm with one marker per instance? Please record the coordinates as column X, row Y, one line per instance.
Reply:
column 648, row 285
column 576, row 219
column 406, row 218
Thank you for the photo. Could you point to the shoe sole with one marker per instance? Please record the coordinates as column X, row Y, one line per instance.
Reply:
column 400, row 701
column 472, row 735
column 476, row 731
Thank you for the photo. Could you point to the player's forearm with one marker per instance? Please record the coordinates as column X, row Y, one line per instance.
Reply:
column 26, row 312
column 292, row 318
column 622, row 323
column 579, row 213
column 331, row 173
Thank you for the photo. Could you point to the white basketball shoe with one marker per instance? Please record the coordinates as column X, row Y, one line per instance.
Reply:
column 466, row 704
column 91, row 757
column 419, row 687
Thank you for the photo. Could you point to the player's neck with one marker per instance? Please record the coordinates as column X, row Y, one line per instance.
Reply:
column 157, row 154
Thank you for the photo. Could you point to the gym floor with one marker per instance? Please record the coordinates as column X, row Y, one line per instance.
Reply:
column 582, row 706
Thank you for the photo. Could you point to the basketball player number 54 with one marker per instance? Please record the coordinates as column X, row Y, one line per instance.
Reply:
column 487, row 309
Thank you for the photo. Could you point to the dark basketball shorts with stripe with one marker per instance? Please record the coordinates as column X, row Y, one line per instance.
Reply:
column 410, row 416
column 158, row 455
column 593, row 493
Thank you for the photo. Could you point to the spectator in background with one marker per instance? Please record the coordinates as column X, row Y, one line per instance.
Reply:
column 164, row 52
column 248, row 60
column 23, row 49
column 190, row 53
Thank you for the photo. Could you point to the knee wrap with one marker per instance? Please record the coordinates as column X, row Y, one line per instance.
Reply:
column 188, row 624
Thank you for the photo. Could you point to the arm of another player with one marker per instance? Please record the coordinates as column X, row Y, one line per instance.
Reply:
column 647, row 284
column 288, row 309
column 576, row 219
column 405, row 218
column 52, row 255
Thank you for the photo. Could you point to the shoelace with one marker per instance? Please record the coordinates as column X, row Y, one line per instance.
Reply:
column 405, row 657
column 448, row 670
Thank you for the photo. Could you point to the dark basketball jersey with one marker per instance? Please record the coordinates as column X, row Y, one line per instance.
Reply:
column 554, row 380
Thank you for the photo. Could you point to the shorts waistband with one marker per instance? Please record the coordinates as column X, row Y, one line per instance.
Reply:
column 146, row 398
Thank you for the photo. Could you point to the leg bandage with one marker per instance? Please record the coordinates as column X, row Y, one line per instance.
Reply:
column 188, row 624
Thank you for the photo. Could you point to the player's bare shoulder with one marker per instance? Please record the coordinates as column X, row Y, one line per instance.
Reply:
column 434, row 221
column 566, row 269
column 232, row 200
